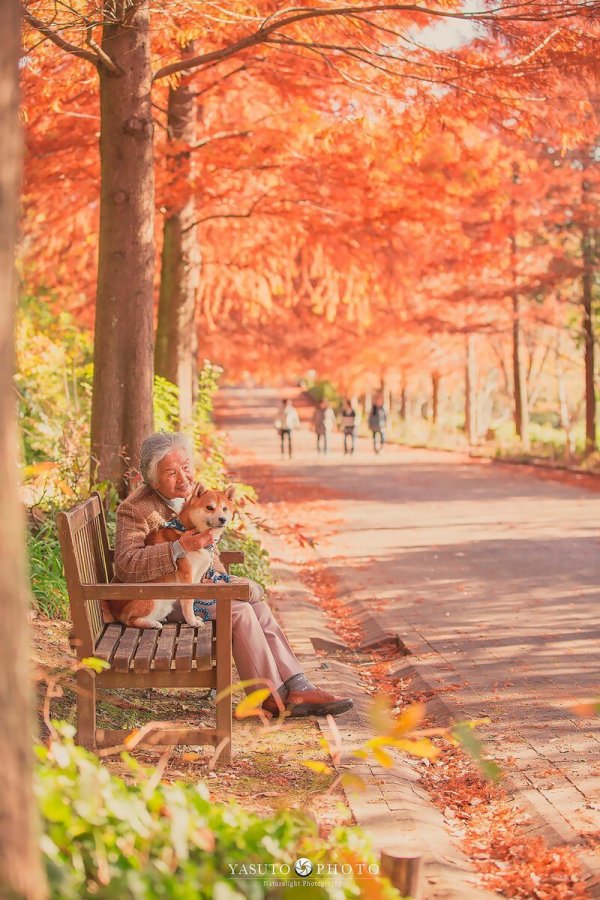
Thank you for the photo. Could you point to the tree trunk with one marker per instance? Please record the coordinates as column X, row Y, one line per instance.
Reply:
column 470, row 392
column 435, row 390
column 403, row 403
column 21, row 874
column 520, row 377
column 123, row 369
column 176, row 339
column 521, row 403
column 588, row 331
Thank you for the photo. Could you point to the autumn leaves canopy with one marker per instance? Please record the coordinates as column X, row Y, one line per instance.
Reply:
column 325, row 184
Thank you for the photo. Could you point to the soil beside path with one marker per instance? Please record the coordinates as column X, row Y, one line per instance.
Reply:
column 490, row 576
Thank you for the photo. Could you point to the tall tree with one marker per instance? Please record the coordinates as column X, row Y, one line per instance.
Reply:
column 587, row 280
column 21, row 874
column 362, row 42
column 122, row 389
column 176, row 350
column 470, row 391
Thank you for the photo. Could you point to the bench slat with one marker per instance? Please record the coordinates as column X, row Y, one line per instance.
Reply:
column 204, row 643
column 145, row 650
column 106, row 646
column 126, row 649
column 185, row 648
column 165, row 648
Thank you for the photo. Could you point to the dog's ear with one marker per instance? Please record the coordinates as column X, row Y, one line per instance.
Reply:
column 230, row 492
column 198, row 489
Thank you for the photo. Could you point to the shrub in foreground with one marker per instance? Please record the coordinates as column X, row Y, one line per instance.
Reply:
column 103, row 837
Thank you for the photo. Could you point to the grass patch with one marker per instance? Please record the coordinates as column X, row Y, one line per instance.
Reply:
column 46, row 572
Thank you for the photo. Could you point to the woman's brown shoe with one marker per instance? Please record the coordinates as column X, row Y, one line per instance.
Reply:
column 313, row 702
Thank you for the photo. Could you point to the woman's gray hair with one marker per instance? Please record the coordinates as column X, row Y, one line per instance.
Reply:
column 157, row 446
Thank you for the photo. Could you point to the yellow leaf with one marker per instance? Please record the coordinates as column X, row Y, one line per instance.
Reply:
column 410, row 719
column 380, row 714
column 41, row 468
column 381, row 740
column 353, row 782
column 423, row 747
column 473, row 723
column 324, row 743
column 316, row 766
column 97, row 665
column 360, row 754
column 249, row 705
column 384, row 759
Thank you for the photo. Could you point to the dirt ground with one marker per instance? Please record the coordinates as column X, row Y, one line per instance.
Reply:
column 266, row 773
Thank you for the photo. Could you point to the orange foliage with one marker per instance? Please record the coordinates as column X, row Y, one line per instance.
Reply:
column 515, row 863
column 355, row 188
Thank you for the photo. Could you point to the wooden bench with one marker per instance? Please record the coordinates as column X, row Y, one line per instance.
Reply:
column 176, row 657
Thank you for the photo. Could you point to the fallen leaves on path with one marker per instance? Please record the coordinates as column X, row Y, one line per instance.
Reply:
column 492, row 830
column 326, row 589
column 481, row 815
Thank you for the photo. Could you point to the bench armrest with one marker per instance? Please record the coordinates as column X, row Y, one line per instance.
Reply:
column 151, row 591
column 228, row 557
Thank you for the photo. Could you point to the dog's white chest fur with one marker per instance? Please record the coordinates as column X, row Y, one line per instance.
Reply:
column 200, row 561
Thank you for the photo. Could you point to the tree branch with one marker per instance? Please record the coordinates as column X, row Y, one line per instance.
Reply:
column 104, row 57
column 270, row 25
column 219, row 136
column 93, row 58
column 245, row 215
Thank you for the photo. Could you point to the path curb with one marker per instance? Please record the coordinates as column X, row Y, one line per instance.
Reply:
column 394, row 810
column 540, row 811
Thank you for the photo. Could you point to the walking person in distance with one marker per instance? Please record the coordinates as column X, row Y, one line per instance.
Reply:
column 377, row 423
column 323, row 423
column 349, row 426
column 286, row 422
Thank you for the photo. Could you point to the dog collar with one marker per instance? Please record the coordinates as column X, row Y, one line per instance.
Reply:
column 176, row 524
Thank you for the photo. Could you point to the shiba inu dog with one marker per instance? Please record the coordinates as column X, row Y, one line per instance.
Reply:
column 204, row 510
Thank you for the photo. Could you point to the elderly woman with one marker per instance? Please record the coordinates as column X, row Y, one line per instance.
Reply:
column 260, row 648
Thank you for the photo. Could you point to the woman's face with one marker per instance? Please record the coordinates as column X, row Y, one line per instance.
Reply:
column 174, row 477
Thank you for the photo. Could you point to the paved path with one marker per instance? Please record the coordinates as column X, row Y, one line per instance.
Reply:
column 490, row 575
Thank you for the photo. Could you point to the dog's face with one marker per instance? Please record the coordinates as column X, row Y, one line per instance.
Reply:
column 210, row 509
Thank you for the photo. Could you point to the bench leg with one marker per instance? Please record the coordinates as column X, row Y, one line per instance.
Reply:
column 224, row 713
column 86, row 710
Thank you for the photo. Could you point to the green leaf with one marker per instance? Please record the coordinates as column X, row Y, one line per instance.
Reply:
column 466, row 737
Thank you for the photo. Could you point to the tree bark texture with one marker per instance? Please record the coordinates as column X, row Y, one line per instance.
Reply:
column 470, row 391
column 123, row 341
column 403, row 403
column 588, row 333
column 176, row 353
column 521, row 400
column 435, row 391
column 21, row 873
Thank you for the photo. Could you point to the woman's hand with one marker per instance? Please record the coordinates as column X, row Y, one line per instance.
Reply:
column 195, row 540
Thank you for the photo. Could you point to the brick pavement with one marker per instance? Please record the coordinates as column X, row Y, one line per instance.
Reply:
column 491, row 579
column 394, row 809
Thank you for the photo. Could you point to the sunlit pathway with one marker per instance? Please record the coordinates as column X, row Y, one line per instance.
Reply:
column 489, row 574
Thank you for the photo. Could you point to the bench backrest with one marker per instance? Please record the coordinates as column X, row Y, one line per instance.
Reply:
column 87, row 558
